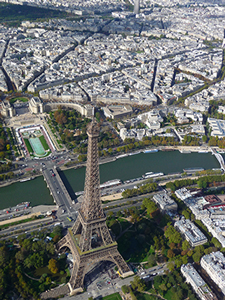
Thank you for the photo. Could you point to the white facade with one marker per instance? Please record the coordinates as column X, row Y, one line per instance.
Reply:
column 198, row 284
column 214, row 264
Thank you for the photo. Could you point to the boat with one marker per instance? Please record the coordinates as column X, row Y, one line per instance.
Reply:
column 110, row 183
column 134, row 153
column 122, row 155
column 184, row 151
column 203, row 151
column 26, row 179
column 191, row 170
column 154, row 175
column 150, row 150
column 79, row 193
column 148, row 173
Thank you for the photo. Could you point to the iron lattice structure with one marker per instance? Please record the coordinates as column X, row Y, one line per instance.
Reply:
column 89, row 239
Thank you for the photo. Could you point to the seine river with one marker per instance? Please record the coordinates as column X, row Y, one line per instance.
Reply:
column 36, row 191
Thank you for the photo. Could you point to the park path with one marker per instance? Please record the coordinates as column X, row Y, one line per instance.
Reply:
column 125, row 230
column 158, row 296
column 31, row 277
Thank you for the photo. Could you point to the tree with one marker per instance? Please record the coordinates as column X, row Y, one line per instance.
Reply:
column 57, row 230
column 186, row 214
column 110, row 151
column 190, row 253
column 170, row 253
column 119, row 214
column 151, row 260
column 98, row 115
column 185, row 259
column 172, row 246
column 28, row 262
column 20, row 255
column 216, row 242
column 150, row 205
column 125, row 289
column 170, row 266
column 163, row 287
column 178, row 295
column 48, row 281
column 133, row 297
column 178, row 262
column 53, row 266
column 56, row 238
column 185, row 245
column 200, row 249
column 173, row 235
column 110, row 214
column 202, row 183
column 204, row 138
column 138, row 283
column 82, row 157
column 196, row 257
column 156, row 243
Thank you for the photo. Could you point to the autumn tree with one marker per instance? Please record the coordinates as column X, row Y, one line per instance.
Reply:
column 170, row 253
column 53, row 266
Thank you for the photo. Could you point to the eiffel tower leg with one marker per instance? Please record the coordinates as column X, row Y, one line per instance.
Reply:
column 76, row 225
column 62, row 243
column 106, row 235
column 85, row 239
column 120, row 262
column 77, row 277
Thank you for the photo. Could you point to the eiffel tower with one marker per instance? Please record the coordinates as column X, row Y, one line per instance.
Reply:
column 89, row 239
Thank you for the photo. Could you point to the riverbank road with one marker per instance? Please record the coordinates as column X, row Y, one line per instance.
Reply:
column 27, row 228
column 13, row 220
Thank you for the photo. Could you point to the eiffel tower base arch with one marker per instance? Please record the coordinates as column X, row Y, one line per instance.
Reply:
column 84, row 260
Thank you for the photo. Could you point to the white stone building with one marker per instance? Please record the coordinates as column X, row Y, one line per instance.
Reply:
column 165, row 202
column 198, row 284
column 191, row 232
column 214, row 264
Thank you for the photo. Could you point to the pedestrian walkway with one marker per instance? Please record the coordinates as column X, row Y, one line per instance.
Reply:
column 56, row 292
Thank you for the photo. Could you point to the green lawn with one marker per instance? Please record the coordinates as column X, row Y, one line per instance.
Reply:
column 115, row 296
column 28, row 145
column 44, row 143
column 45, row 270
column 18, row 98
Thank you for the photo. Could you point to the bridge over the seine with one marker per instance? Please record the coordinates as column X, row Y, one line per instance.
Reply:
column 219, row 157
column 65, row 204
